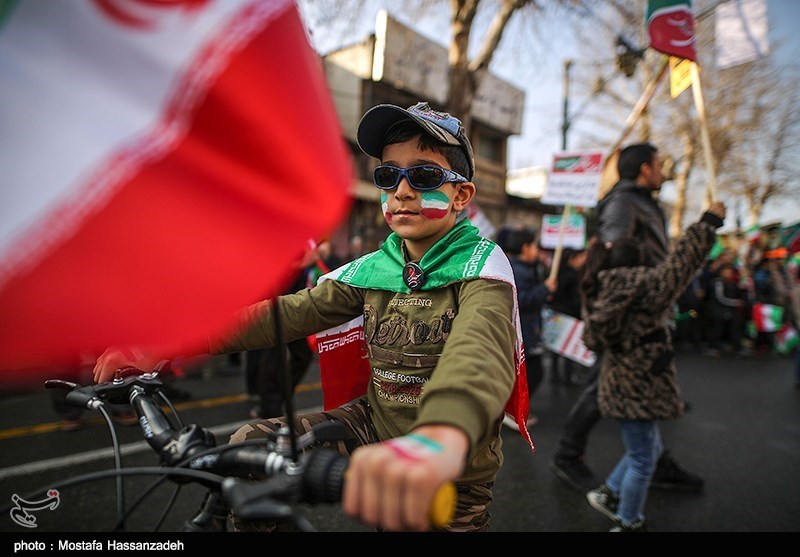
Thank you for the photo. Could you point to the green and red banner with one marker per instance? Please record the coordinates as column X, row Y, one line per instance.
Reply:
column 670, row 26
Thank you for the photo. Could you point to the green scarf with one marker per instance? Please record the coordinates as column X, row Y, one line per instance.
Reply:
column 461, row 254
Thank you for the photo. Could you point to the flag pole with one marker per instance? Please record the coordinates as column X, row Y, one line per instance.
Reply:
column 609, row 176
column 642, row 103
column 697, row 92
column 560, row 246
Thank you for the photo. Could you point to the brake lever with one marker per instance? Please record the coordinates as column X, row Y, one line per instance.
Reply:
column 329, row 431
column 258, row 501
column 321, row 433
column 60, row 384
column 77, row 395
column 116, row 391
column 127, row 371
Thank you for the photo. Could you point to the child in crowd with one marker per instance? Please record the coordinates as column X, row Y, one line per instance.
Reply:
column 727, row 308
column 533, row 291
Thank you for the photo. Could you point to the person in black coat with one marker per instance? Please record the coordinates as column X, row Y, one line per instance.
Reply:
column 626, row 309
column 628, row 210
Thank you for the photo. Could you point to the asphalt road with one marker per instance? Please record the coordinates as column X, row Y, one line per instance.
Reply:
column 742, row 435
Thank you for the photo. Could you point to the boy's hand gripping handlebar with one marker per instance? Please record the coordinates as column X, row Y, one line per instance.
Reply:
column 318, row 476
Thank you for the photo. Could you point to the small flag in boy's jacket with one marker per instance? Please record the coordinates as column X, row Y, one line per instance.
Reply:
column 164, row 164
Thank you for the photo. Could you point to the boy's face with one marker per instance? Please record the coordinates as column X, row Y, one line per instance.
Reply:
column 421, row 217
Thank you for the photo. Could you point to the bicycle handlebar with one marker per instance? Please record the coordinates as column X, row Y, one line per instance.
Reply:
column 317, row 476
column 175, row 446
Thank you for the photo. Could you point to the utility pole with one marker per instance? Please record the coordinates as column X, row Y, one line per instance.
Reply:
column 565, row 118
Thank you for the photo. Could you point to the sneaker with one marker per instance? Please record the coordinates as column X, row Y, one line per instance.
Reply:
column 669, row 476
column 712, row 352
column 603, row 499
column 638, row 525
column 510, row 422
column 575, row 473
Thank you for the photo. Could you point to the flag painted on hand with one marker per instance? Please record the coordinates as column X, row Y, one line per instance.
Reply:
column 164, row 164
column 670, row 26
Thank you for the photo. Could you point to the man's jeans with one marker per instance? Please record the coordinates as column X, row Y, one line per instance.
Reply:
column 632, row 474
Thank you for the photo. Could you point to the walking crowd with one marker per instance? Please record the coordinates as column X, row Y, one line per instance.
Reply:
column 743, row 301
column 632, row 290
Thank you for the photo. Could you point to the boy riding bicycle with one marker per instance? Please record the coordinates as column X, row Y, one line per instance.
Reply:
column 440, row 326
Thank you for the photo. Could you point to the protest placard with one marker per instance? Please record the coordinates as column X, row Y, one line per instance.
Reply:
column 561, row 334
column 574, row 231
column 574, row 179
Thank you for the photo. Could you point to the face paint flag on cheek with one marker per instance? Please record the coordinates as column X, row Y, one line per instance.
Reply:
column 435, row 204
column 385, row 208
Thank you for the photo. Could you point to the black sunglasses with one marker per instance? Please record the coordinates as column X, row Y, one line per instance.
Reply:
column 424, row 177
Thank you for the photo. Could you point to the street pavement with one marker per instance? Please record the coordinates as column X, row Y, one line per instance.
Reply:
column 742, row 435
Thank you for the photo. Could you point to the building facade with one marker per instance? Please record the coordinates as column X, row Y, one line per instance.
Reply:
column 396, row 65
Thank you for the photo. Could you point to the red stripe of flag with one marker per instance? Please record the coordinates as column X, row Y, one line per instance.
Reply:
column 213, row 225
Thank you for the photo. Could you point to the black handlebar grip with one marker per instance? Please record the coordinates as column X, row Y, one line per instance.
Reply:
column 323, row 477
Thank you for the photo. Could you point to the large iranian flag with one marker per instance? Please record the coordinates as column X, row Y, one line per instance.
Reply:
column 163, row 164
column 670, row 26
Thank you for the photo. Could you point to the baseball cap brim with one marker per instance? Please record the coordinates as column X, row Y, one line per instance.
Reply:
column 379, row 119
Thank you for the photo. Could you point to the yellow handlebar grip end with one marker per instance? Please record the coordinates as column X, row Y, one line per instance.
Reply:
column 443, row 505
